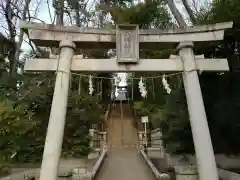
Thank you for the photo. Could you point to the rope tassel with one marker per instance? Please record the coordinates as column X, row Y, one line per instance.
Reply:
column 90, row 85
column 166, row 85
column 142, row 88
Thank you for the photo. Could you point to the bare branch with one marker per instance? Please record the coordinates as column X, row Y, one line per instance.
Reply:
column 69, row 15
column 6, row 30
column 189, row 11
column 8, row 13
column 195, row 6
column 19, row 44
column 35, row 13
column 38, row 20
column 50, row 15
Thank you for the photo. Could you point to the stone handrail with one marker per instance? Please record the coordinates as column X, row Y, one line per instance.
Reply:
column 227, row 175
column 106, row 116
column 186, row 167
column 152, row 167
column 150, row 141
column 142, row 139
column 98, row 139
column 98, row 164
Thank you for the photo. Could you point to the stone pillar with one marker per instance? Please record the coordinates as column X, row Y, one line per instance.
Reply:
column 104, row 134
column 141, row 139
column 55, row 131
column 91, row 134
column 201, row 136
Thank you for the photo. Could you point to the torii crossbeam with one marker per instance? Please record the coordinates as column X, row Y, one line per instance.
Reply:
column 127, row 39
column 81, row 64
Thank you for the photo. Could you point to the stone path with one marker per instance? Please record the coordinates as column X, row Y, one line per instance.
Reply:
column 124, row 164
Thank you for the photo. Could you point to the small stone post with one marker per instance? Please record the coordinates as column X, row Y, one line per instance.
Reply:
column 201, row 136
column 91, row 134
column 55, row 131
column 104, row 134
column 141, row 139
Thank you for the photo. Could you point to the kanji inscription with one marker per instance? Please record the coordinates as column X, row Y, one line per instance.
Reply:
column 126, row 50
column 127, row 45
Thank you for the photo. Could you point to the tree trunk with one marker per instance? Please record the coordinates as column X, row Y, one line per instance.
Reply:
column 19, row 43
column 59, row 12
column 177, row 15
column 9, row 14
column 59, row 21
column 77, row 15
column 189, row 11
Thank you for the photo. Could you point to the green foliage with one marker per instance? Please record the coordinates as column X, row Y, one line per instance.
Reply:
column 141, row 108
column 175, row 126
column 24, row 119
column 17, row 125
column 150, row 13
column 83, row 111
column 169, row 113
column 221, row 11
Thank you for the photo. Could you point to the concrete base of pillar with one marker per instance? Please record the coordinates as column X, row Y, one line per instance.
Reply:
column 186, row 172
column 81, row 177
column 184, row 166
column 81, row 173
column 186, row 177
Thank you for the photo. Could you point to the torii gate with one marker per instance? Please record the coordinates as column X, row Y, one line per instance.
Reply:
column 127, row 40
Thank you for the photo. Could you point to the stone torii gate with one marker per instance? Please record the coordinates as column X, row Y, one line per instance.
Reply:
column 127, row 40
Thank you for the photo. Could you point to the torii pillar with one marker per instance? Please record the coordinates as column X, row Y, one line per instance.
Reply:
column 55, row 131
column 201, row 136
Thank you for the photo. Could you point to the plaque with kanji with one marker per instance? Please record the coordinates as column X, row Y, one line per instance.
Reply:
column 127, row 43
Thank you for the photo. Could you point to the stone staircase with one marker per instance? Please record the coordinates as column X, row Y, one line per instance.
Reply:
column 121, row 133
column 123, row 161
